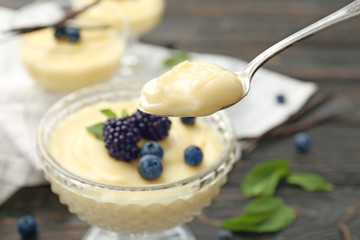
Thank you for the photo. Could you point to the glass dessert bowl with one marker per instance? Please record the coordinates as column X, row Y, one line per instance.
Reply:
column 76, row 54
column 122, row 211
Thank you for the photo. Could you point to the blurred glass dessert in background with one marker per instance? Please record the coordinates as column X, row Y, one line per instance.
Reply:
column 72, row 55
column 112, row 195
column 143, row 16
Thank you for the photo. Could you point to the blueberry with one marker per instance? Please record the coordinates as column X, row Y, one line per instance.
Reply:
column 150, row 167
column 302, row 141
column 27, row 226
column 193, row 155
column 72, row 34
column 170, row 45
column 224, row 234
column 59, row 31
column 280, row 98
column 152, row 148
column 188, row 120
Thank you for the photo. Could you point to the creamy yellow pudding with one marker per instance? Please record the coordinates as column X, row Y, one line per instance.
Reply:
column 63, row 66
column 80, row 152
column 191, row 89
column 143, row 15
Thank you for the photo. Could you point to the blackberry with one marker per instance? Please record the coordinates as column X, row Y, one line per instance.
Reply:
column 121, row 136
column 151, row 127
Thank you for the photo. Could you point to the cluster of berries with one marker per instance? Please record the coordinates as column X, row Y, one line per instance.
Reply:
column 72, row 34
column 121, row 135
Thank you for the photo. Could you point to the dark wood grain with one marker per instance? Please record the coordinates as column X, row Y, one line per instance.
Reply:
column 244, row 28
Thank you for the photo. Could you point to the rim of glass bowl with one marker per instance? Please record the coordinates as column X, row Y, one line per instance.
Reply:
column 98, row 92
column 120, row 36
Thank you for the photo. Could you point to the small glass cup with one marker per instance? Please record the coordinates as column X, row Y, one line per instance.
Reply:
column 63, row 66
column 143, row 16
column 155, row 211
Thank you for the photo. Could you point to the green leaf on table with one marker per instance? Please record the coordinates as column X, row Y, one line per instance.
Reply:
column 309, row 182
column 257, row 210
column 263, row 179
column 108, row 113
column 270, row 218
column 96, row 130
column 176, row 58
column 263, row 206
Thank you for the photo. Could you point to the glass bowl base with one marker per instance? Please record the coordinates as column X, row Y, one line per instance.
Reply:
column 177, row 233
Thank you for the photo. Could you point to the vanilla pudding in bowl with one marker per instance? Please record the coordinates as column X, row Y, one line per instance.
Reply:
column 110, row 194
column 62, row 64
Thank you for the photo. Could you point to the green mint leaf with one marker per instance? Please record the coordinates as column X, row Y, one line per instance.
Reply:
column 280, row 218
column 108, row 112
column 124, row 113
column 309, row 182
column 278, row 221
column 263, row 206
column 96, row 130
column 256, row 211
column 263, row 179
column 176, row 58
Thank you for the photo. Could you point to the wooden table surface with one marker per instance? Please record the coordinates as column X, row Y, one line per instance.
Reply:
column 243, row 28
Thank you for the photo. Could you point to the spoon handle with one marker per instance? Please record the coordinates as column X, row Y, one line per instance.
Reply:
column 347, row 12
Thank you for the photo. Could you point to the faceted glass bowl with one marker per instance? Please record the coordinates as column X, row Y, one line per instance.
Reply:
column 141, row 212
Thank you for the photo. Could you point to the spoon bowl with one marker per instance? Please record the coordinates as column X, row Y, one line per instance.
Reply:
column 246, row 75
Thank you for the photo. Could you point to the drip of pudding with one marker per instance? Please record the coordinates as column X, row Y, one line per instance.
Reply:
column 80, row 152
column 63, row 66
column 191, row 89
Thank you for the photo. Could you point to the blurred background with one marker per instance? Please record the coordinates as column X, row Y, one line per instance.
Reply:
column 243, row 29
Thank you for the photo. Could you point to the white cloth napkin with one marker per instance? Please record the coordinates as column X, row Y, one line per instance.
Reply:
column 22, row 104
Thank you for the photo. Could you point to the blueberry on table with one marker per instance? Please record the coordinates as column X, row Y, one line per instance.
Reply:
column 302, row 141
column 188, row 120
column 193, row 155
column 27, row 226
column 224, row 234
column 72, row 34
column 150, row 167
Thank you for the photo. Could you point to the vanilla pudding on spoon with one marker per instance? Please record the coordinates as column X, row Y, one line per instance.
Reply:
column 191, row 89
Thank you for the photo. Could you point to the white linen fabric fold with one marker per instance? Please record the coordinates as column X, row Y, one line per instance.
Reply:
column 22, row 103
